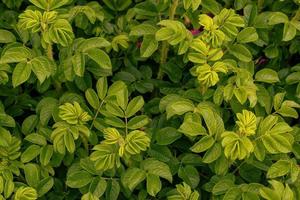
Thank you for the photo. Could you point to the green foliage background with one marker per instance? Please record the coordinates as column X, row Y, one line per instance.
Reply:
column 149, row 99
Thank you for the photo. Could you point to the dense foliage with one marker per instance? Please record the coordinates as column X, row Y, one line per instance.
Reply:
column 149, row 99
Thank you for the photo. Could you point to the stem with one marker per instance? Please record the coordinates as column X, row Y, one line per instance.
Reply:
column 236, row 169
column 50, row 52
column 260, row 4
column 96, row 115
column 297, row 15
column 165, row 44
column 126, row 126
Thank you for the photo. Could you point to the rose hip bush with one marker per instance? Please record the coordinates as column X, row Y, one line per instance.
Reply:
column 149, row 99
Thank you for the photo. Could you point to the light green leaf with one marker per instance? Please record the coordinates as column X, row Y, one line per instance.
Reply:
column 135, row 105
column 179, row 107
column 15, row 55
column 203, row 144
column 101, row 87
column 100, row 57
column 78, row 179
column 158, row 168
column 61, row 32
column 267, row 76
column 92, row 98
column 240, row 52
column 280, row 168
column 138, row 122
column 45, row 186
column 30, row 153
column 213, row 153
column 149, row 46
column 143, row 29
column 153, row 184
column 247, row 35
column 6, row 36
column 21, row 74
column 92, row 43
column 289, row 32
column 32, row 174
column 277, row 18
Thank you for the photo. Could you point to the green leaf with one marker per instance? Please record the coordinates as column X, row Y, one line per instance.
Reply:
column 61, row 32
column 233, row 194
column 138, row 122
column 6, row 36
column 267, row 76
column 277, row 18
column 179, row 108
column 153, row 184
column 8, row 188
column 105, row 156
column 29, row 124
column 289, row 32
column 98, row 186
column 92, row 43
column 45, row 186
column 213, row 153
column 287, row 111
column 46, row 154
column 30, row 153
column 113, row 190
column 6, row 120
column 135, row 105
column 36, row 139
column 49, row 5
column 132, row 177
column 21, row 74
column 101, row 87
column 189, row 175
column 240, row 52
column 78, row 62
column 100, row 57
column 167, row 135
column 149, row 46
column 78, row 179
column 69, row 141
column 120, row 91
column 203, row 144
column 32, row 174
column 158, row 168
column 280, row 168
column 143, row 29
column 247, row 35
column 42, row 68
column 27, row 193
column 92, row 98
column 136, row 141
column 16, row 55
column 293, row 78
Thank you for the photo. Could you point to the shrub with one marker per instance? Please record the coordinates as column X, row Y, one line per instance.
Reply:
column 149, row 99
